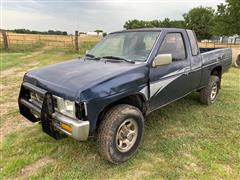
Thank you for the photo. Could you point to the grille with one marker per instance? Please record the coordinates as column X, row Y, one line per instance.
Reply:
column 36, row 99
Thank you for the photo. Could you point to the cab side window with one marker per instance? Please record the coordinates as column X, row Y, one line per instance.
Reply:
column 193, row 42
column 173, row 44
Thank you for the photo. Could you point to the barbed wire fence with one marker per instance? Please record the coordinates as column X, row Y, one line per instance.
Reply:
column 73, row 42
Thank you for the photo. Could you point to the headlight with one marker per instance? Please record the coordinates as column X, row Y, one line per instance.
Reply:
column 69, row 105
column 66, row 107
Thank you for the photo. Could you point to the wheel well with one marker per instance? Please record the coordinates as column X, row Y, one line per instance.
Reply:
column 238, row 60
column 136, row 100
column 217, row 71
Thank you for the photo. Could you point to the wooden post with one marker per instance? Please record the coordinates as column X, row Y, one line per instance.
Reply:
column 5, row 39
column 76, row 41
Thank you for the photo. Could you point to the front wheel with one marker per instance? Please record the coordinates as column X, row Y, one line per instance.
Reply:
column 208, row 95
column 120, row 133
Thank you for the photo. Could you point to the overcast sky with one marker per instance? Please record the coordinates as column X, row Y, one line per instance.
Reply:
column 71, row 15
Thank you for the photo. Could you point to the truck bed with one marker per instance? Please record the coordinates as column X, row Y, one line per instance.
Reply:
column 203, row 50
column 215, row 55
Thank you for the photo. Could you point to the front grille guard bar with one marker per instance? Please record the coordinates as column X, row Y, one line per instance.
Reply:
column 49, row 118
column 27, row 108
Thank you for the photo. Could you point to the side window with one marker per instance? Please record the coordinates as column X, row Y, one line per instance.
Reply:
column 173, row 44
column 193, row 42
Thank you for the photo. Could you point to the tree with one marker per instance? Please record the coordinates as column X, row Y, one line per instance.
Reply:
column 200, row 19
column 166, row 23
column 98, row 31
column 233, row 7
column 227, row 18
column 178, row 24
column 135, row 24
column 64, row 33
column 104, row 34
column 221, row 20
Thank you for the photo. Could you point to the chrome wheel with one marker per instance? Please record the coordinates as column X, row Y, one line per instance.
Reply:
column 214, row 92
column 126, row 135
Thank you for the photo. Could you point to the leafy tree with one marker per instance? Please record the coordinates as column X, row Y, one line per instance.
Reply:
column 177, row 24
column 64, row 33
column 135, row 24
column 104, row 34
column 27, row 31
column 155, row 23
column 221, row 20
column 200, row 19
column 98, row 31
column 233, row 7
column 227, row 18
column 166, row 23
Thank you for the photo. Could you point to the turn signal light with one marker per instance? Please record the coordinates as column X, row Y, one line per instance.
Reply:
column 66, row 127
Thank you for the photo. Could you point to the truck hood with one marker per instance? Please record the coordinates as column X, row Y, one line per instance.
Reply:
column 88, row 79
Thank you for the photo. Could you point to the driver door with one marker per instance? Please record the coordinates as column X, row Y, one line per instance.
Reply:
column 170, row 82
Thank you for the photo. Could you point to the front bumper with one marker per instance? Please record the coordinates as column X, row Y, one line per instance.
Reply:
column 80, row 129
column 51, row 119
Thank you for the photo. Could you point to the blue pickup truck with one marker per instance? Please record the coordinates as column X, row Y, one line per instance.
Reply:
column 111, row 89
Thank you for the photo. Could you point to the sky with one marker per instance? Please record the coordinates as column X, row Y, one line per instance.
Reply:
column 89, row 15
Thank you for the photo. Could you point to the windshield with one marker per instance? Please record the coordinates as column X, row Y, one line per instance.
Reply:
column 134, row 46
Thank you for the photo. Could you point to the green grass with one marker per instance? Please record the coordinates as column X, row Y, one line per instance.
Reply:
column 17, row 55
column 20, row 47
column 184, row 140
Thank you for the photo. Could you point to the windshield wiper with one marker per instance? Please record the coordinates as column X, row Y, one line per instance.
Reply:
column 92, row 56
column 117, row 58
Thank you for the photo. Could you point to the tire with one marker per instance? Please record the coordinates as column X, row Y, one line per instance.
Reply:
column 207, row 95
column 119, row 124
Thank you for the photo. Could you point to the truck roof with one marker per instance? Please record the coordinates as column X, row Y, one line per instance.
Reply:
column 146, row 29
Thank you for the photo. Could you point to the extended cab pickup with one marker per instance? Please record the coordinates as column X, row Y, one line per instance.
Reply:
column 123, row 78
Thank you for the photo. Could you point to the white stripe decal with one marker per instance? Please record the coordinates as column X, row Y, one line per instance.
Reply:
column 157, row 87
column 175, row 72
column 144, row 91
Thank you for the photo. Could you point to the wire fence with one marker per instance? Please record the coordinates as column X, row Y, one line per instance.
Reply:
column 219, row 45
column 56, row 41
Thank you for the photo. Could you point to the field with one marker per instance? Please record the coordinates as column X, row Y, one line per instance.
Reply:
column 184, row 140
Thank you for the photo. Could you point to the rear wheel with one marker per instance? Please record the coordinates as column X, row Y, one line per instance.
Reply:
column 208, row 95
column 120, row 133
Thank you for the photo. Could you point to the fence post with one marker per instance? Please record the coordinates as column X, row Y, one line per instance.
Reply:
column 76, row 41
column 5, row 39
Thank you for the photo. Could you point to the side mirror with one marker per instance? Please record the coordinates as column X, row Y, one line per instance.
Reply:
column 162, row 59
